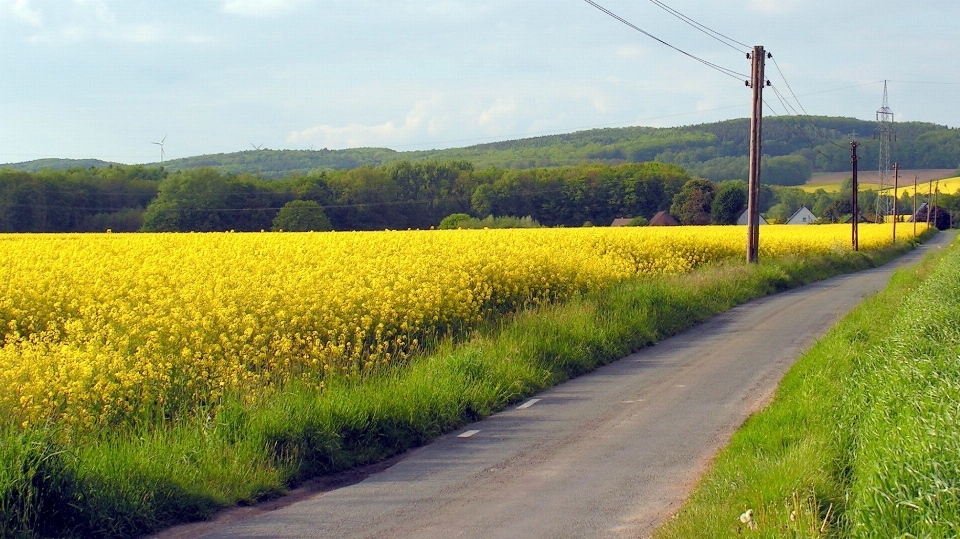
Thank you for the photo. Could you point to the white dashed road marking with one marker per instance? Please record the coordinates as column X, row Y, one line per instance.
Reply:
column 528, row 404
column 468, row 434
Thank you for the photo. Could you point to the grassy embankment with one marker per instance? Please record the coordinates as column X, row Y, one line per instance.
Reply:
column 862, row 438
column 129, row 483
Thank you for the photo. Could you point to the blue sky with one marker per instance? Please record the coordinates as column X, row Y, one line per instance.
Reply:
column 106, row 78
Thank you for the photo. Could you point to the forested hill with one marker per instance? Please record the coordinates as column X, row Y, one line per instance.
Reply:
column 793, row 146
column 57, row 164
column 716, row 151
column 281, row 163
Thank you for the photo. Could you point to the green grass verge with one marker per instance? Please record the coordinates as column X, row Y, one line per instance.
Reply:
column 131, row 483
column 862, row 438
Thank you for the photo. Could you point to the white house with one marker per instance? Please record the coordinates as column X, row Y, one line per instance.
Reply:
column 803, row 216
column 743, row 219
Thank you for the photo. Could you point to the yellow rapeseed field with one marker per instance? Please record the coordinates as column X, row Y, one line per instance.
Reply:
column 108, row 329
column 946, row 186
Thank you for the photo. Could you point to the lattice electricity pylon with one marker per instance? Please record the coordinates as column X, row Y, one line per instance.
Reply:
column 886, row 134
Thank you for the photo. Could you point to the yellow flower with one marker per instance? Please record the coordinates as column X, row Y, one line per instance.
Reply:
column 100, row 330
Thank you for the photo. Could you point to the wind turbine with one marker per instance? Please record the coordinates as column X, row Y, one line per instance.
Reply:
column 255, row 147
column 162, row 153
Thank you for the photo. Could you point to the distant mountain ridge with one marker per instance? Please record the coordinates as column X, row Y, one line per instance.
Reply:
column 715, row 151
column 57, row 164
column 277, row 163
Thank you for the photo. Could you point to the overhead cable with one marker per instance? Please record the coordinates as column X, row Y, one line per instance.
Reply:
column 730, row 42
column 799, row 104
column 796, row 125
column 725, row 71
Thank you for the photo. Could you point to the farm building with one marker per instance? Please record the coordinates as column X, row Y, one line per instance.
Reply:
column 621, row 221
column 803, row 216
column 743, row 219
column 663, row 218
column 861, row 219
column 939, row 217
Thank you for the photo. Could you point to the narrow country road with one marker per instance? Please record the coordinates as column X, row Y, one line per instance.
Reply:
column 607, row 455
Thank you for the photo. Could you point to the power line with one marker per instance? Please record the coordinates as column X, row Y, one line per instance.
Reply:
column 926, row 82
column 616, row 124
column 784, row 77
column 799, row 129
column 795, row 98
column 481, row 140
column 730, row 42
column 843, row 88
column 462, row 198
column 787, row 107
column 725, row 71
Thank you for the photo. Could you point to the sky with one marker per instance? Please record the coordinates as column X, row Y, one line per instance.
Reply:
column 107, row 79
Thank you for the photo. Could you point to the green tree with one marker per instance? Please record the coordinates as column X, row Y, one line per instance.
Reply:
column 482, row 200
column 790, row 199
column 367, row 198
column 837, row 210
column 729, row 203
column 905, row 204
column 206, row 200
column 692, row 204
column 454, row 221
column 824, row 200
column 301, row 216
column 786, row 170
column 779, row 213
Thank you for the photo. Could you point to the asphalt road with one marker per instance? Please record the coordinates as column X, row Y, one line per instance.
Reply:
column 609, row 454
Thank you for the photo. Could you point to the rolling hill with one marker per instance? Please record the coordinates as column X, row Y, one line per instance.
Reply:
column 716, row 151
column 57, row 164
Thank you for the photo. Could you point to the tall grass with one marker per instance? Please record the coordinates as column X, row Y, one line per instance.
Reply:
column 121, row 484
column 862, row 438
column 903, row 412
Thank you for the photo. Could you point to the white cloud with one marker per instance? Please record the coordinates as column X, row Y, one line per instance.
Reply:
column 139, row 33
column 462, row 116
column 419, row 121
column 99, row 9
column 22, row 10
column 631, row 52
column 92, row 20
column 774, row 6
column 500, row 114
column 260, row 8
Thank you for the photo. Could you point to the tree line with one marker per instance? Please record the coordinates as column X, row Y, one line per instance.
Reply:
column 416, row 195
column 401, row 195
column 78, row 199
column 396, row 196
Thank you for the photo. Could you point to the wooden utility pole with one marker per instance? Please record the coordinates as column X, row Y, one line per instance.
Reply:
column 896, row 185
column 854, row 203
column 936, row 202
column 929, row 201
column 757, row 82
column 915, row 180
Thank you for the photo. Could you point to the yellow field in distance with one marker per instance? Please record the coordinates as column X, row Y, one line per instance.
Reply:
column 947, row 186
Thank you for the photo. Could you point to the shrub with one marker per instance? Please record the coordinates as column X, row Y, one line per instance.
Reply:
column 454, row 221
column 462, row 220
column 301, row 216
